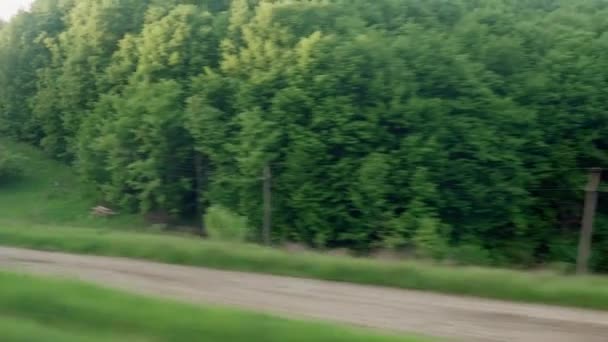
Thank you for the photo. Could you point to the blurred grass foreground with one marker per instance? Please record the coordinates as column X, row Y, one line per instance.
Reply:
column 38, row 309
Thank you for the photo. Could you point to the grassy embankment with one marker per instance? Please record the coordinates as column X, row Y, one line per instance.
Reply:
column 41, row 309
column 50, row 193
column 36, row 213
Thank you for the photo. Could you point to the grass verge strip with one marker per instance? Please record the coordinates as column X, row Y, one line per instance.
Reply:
column 42, row 309
column 548, row 288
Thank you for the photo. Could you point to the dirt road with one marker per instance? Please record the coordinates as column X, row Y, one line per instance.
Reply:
column 462, row 319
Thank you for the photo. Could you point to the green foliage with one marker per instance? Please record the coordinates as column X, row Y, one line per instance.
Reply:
column 11, row 165
column 471, row 254
column 428, row 238
column 39, row 309
column 224, row 225
column 394, row 123
column 48, row 192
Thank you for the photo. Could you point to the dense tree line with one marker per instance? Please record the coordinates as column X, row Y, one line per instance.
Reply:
column 458, row 129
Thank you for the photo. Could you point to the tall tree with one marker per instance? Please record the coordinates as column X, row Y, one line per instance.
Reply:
column 457, row 129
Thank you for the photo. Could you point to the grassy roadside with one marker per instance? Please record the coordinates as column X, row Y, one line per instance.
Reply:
column 49, row 192
column 40, row 309
column 38, row 211
column 585, row 292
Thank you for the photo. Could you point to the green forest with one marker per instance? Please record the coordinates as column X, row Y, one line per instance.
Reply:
column 451, row 129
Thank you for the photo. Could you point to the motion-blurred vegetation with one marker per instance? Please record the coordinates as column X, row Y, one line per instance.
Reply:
column 454, row 129
column 224, row 225
column 10, row 165
column 546, row 286
column 38, row 309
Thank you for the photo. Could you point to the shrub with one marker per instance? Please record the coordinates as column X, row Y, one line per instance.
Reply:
column 471, row 254
column 225, row 225
column 10, row 165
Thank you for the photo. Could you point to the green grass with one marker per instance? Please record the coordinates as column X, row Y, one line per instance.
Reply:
column 38, row 213
column 39, row 309
column 28, row 330
column 545, row 287
column 50, row 193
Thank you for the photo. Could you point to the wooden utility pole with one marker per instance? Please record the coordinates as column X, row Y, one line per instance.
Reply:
column 267, row 205
column 199, row 174
column 584, row 246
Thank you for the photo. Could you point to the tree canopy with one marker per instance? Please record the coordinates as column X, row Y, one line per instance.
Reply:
column 454, row 129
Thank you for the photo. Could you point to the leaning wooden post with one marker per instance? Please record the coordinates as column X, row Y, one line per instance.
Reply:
column 267, row 205
column 584, row 246
column 199, row 174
